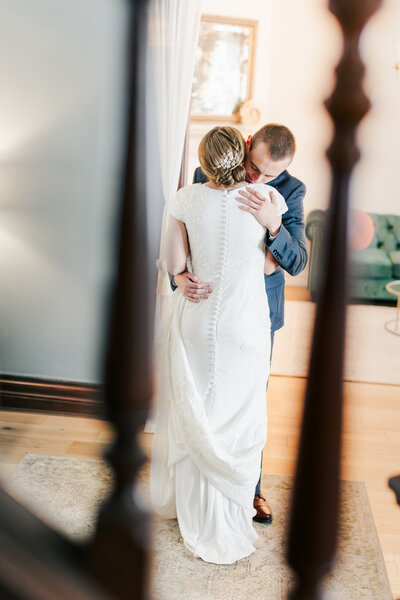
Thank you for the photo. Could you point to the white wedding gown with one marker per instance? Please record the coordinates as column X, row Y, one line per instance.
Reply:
column 213, row 367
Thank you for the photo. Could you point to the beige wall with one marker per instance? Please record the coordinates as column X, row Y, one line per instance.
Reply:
column 305, row 48
column 259, row 10
column 376, row 186
column 299, row 44
column 304, row 51
column 292, row 75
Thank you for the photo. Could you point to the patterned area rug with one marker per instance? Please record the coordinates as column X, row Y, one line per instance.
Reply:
column 66, row 492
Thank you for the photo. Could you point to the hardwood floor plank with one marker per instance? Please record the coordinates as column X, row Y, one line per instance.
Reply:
column 87, row 449
column 370, row 452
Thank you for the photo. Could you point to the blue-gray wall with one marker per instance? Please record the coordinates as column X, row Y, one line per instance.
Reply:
column 62, row 133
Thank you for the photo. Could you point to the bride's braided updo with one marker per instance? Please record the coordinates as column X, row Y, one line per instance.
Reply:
column 221, row 155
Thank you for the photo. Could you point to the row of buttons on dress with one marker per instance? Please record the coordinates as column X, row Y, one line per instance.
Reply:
column 217, row 299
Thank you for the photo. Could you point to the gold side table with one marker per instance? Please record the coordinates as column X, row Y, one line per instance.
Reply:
column 394, row 326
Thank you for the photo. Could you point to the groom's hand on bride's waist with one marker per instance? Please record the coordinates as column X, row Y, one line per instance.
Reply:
column 191, row 287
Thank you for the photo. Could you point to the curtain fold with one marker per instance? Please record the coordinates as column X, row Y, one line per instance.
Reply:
column 174, row 32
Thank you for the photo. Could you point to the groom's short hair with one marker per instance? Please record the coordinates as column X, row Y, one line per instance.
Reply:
column 279, row 139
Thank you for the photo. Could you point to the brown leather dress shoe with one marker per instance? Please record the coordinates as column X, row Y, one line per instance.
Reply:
column 264, row 512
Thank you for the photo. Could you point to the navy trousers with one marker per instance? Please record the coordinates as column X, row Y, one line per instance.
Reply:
column 275, row 288
column 258, row 486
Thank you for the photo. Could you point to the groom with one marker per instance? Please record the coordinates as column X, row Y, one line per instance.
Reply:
column 269, row 152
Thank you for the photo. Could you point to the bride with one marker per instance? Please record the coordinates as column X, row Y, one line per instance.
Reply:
column 213, row 362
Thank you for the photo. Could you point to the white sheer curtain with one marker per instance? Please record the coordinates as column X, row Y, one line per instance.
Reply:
column 174, row 32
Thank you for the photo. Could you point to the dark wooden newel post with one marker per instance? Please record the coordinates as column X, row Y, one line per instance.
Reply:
column 314, row 511
column 119, row 555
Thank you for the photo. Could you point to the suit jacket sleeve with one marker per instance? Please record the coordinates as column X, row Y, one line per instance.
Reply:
column 173, row 286
column 289, row 246
column 199, row 176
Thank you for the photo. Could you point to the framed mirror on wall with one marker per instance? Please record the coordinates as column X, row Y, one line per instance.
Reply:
column 224, row 68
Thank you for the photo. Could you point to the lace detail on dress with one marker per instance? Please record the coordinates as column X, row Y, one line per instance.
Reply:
column 196, row 223
column 177, row 205
column 230, row 474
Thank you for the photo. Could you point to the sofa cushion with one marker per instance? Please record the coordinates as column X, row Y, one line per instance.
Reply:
column 374, row 289
column 371, row 262
column 387, row 232
column 395, row 258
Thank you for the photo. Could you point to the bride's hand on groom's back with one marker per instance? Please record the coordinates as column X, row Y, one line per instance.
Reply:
column 265, row 209
column 191, row 287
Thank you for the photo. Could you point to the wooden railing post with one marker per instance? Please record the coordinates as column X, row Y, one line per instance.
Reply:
column 314, row 511
column 119, row 555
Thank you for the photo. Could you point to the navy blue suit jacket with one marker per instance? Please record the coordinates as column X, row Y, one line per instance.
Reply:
column 288, row 248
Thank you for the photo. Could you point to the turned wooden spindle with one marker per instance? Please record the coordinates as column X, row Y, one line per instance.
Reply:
column 314, row 511
column 119, row 554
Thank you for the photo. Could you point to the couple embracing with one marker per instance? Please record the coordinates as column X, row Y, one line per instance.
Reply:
column 229, row 237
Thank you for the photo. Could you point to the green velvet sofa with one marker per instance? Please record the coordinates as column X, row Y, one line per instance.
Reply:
column 370, row 269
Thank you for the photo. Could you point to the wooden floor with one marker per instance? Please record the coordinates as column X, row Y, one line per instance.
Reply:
column 296, row 292
column 371, row 446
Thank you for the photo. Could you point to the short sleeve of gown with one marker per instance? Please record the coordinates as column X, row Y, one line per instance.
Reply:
column 177, row 205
